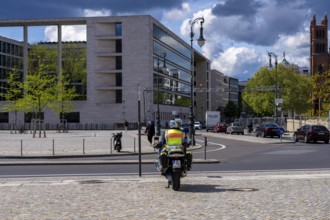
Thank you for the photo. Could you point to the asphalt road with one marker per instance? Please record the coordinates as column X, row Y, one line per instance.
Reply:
column 234, row 155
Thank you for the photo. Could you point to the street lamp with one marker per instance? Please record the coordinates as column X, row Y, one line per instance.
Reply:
column 158, row 116
column 201, row 42
column 270, row 54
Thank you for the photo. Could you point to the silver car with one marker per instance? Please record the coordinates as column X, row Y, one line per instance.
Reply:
column 198, row 125
column 235, row 127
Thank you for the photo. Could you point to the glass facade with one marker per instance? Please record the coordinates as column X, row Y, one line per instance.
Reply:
column 11, row 56
column 162, row 36
column 174, row 80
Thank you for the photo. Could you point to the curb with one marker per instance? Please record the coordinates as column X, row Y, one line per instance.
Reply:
column 95, row 162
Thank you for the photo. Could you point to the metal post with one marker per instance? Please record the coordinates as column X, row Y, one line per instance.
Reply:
column 158, row 115
column 134, row 146
column 139, row 130
column 201, row 42
column 110, row 145
column 21, row 147
column 205, row 144
column 53, row 147
column 83, row 146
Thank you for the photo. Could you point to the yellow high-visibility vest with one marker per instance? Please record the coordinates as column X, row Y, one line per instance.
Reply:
column 174, row 137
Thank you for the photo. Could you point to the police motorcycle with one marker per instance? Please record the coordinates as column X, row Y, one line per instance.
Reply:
column 173, row 162
column 117, row 140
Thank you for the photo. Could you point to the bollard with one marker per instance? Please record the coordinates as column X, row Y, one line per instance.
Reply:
column 110, row 145
column 134, row 146
column 205, row 144
column 84, row 146
column 21, row 147
column 53, row 147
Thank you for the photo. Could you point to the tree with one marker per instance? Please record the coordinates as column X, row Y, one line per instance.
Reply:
column 14, row 91
column 321, row 91
column 231, row 110
column 293, row 87
column 63, row 96
column 39, row 88
column 74, row 67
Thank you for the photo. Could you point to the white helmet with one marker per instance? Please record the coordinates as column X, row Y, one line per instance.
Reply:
column 173, row 124
column 179, row 122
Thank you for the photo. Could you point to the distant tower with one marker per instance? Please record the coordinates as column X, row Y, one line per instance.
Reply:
column 319, row 55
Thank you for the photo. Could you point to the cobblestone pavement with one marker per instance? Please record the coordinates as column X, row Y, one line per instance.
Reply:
column 276, row 195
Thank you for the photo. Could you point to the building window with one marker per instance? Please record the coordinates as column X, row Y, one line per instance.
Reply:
column 118, row 63
column 118, row 27
column 32, row 115
column 119, row 81
column 71, row 117
column 4, row 117
column 119, row 96
column 118, row 46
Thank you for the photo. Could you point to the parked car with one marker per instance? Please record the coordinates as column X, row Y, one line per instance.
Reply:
column 235, row 127
column 268, row 129
column 185, row 128
column 220, row 127
column 198, row 125
column 313, row 133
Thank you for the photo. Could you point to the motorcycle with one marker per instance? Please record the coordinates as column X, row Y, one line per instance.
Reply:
column 174, row 164
column 117, row 140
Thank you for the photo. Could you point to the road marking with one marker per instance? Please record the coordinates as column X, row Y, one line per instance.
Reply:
column 217, row 149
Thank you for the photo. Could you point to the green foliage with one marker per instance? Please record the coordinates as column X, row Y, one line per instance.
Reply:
column 14, row 90
column 293, row 87
column 63, row 96
column 74, row 66
column 231, row 110
column 39, row 87
column 321, row 91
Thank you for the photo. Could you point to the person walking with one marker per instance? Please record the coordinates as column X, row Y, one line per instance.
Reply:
column 126, row 125
column 150, row 131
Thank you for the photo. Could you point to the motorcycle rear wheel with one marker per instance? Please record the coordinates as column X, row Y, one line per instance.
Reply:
column 176, row 180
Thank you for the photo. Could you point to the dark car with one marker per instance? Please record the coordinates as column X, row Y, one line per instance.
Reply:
column 313, row 133
column 268, row 129
column 185, row 128
column 220, row 127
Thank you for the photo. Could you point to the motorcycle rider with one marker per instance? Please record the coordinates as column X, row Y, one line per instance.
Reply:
column 172, row 137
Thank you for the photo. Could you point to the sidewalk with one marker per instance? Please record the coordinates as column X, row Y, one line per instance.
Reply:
column 225, row 196
column 82, row 144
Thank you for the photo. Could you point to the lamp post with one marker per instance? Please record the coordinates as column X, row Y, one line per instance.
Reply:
column 270, row 54
column 158, row 116
column 201, row 42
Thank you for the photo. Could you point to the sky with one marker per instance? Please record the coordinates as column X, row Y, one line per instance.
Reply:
column 238, row 33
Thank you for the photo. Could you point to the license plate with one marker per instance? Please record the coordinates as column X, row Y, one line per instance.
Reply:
column 176, row 164
column 321, row 133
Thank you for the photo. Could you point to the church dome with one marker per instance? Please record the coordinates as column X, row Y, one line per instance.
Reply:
column 284, row 61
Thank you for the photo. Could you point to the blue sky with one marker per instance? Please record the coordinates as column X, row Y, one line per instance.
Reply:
column 238, row 32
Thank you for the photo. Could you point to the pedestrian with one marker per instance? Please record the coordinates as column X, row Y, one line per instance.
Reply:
column 150, row 130
column 166, row 125
column 126, row 125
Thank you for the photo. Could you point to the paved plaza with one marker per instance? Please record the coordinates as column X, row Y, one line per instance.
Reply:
column 285, row 195
column 203, row 195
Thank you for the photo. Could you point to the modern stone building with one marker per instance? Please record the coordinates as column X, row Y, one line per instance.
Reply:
column 125, row 57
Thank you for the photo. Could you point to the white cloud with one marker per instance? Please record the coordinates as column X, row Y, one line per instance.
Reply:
column 74, row 32
column 296, row 48
column 99, row 13
column 177, row 14
column 237, row 62
column 69, row 33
